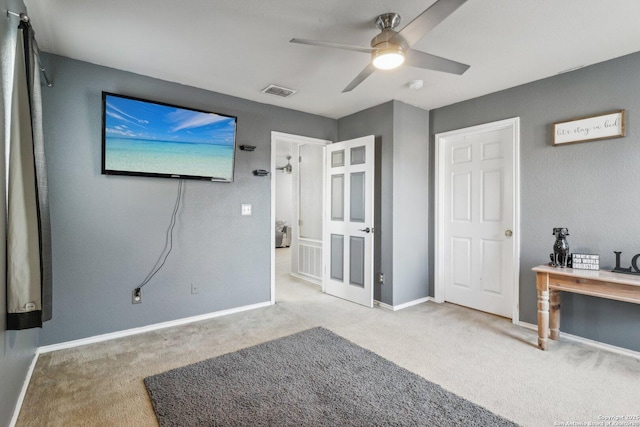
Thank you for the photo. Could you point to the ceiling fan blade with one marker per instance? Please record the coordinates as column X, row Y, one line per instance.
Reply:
column 368, row 70
column 333, row 45
column 415, row 58
column 427, row 21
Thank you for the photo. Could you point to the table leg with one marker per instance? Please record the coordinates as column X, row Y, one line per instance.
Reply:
column 554, row 315
column 542, row 284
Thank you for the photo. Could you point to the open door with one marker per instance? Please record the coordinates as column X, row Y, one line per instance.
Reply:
column 348, row 232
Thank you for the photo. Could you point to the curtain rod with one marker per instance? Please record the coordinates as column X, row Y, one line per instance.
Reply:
column 25, row 18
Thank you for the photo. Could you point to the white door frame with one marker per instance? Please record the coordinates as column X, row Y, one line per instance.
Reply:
column 439, row 257
column 294, row 139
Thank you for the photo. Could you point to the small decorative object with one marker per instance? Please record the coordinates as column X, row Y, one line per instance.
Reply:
column 633, row 269
column 247, row 147
column 260, row 172
column 585, row 261
column 590, row 128
column 560, row 257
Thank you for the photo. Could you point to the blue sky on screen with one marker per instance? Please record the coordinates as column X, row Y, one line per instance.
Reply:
column 134, row 119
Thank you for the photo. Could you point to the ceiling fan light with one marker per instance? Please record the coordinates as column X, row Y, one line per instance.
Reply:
column 388, row 59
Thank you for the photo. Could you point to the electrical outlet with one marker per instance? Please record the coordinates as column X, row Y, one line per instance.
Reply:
column 194, row 289
column 136, row 296
column 245, row 209
column 381, row 278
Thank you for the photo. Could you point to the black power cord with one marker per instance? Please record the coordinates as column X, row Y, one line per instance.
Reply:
column 168, row 245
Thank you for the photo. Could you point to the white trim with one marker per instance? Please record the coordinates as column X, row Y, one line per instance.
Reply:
column 591, row 343
column 325, row 264
column 439, row 258
column 438, row 261
column 149, row 328
column 516, row 220
column 297, row 139
column 23, row 391
column 402, row 306
column 383, row 305
column 310, row 279
column 306, row 239
column 272, row 227
column 294, row 139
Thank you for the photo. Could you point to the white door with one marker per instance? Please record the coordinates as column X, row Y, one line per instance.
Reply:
column 348, row 234
column 477, row 253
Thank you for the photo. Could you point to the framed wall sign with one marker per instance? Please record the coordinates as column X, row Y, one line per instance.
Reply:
column 590, row 128
column 585, row 261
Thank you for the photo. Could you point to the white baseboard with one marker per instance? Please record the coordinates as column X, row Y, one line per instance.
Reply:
column 401, row 306
column 148, row 328
column 310, row 279
column 587, row 341
column 23, row 391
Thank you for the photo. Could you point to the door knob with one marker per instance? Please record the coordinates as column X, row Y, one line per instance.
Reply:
column 508, row 233
column 366, row 230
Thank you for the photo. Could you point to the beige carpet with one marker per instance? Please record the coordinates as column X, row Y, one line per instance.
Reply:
column 480, row 357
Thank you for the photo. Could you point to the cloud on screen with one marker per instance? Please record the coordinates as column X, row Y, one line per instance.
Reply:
column 184, row 119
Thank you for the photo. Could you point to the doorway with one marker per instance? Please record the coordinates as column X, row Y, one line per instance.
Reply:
column 297, row 204
column 477, row 217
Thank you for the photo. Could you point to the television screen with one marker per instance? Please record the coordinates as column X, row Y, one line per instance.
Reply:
column 155, row 139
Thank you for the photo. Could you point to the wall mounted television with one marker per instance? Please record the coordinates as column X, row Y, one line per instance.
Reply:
column 146, row 138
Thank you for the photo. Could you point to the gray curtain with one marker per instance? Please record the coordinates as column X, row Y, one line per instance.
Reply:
column 28, row 227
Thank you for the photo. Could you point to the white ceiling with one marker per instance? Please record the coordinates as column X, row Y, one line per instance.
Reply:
column 238, row 47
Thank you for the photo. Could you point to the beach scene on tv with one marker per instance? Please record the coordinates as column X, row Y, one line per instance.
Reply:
column 148, row 138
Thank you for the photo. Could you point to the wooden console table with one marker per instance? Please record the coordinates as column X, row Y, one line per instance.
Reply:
column 550, row 281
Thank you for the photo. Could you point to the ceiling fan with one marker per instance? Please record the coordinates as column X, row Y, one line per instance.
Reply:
column 392, row 48
column 286, row 168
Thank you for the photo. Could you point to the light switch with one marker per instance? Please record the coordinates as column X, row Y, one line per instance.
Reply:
column 246, row 209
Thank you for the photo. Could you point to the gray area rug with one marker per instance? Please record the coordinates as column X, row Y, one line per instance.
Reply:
column 312, row 378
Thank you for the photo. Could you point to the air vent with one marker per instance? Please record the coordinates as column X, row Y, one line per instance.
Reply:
column 278, row 91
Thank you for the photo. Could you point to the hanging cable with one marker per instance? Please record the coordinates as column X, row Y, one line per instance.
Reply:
column 42, row 69
column 168, row 245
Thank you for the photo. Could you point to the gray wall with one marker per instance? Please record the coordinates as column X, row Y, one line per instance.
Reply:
column 410, row 203
column 108, row 231
column 402, row 158
column 591, row 188
column 17, row 348
column 378, row 121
